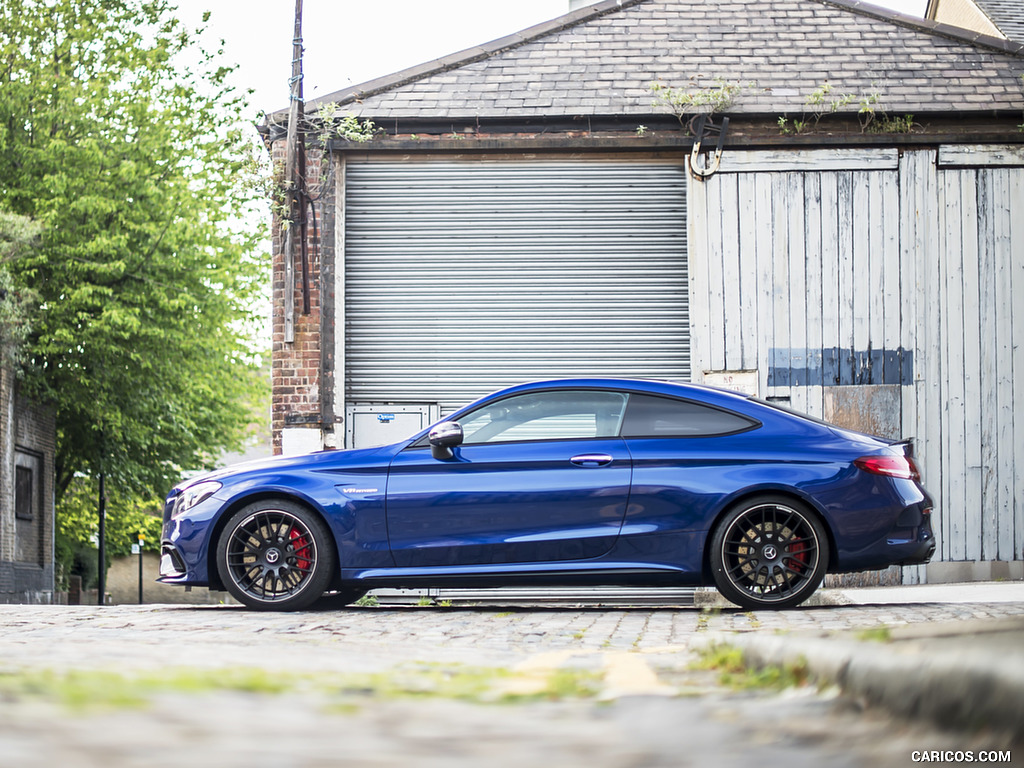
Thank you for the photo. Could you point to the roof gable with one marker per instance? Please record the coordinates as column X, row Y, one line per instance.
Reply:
column 1007, row 15
column 602, row 59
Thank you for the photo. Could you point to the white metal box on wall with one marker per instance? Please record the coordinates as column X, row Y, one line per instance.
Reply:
column 368, row 426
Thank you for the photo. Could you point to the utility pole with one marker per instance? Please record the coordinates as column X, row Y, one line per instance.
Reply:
column 142, row 541
column 102, row 541
column 291, row 176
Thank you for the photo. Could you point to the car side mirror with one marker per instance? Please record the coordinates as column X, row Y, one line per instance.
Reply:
column 443, row 438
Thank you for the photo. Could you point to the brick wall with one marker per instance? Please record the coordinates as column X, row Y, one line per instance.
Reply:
column 28, row 440
column 302, row 395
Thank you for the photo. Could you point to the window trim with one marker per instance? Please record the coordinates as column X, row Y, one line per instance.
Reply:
column 424, row 442
column 755, row 423
column 34, row 463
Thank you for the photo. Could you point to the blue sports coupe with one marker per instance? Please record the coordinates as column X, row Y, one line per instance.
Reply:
column 560, row 483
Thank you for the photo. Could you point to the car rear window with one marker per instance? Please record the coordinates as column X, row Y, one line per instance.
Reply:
column 652, row 416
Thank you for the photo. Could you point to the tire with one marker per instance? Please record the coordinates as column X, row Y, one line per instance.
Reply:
column 276, row 555
column 769, row 552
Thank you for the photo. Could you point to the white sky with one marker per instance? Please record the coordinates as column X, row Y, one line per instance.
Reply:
column 351, row 41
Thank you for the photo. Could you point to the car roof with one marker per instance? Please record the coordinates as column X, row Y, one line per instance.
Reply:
column 652, row 386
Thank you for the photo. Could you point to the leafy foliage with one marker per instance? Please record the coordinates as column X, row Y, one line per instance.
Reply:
column 17, row 303
column 686, row 103
column 146, row 279
column 348, row 127
column 128, row 516
column 826, row 100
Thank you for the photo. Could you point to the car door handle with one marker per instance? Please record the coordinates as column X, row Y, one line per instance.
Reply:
column 591, row 460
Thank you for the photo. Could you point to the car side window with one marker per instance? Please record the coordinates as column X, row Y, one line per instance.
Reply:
column 652, row 416
column 561, row 415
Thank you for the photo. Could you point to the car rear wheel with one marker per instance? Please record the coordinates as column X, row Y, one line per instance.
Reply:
column 769, row 552
column 275, row 555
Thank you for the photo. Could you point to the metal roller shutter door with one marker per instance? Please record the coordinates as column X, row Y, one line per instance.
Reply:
column 463, row 277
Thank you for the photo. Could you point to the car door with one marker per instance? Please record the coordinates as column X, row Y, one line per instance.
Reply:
column 685, row 455
column 540, row 477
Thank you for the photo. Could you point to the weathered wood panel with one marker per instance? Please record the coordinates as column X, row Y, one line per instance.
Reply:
column 813, row 160
column 763, row 247
column 952, row 354
column 698, row 233
column 781, row 356
column 814, row 290
column 831, row 323
column 981, row 155
column 1016, row 265
column 992, row 292
column 973, row 394
column 916, row 238
column 831, row 274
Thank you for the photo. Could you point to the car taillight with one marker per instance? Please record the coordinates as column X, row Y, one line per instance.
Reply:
column 891, row 466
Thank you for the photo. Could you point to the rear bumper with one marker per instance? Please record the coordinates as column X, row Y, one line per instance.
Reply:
column 911, row 541
column 918, row 552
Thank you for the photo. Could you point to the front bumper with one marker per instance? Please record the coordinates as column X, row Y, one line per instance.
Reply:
column 185, row 545
column 172, row 567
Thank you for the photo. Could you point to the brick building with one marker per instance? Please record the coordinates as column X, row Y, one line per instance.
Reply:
column 528, row 211
column 28, row 445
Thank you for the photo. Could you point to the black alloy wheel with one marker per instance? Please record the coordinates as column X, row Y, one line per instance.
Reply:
column 276, row 555
column 769, row 552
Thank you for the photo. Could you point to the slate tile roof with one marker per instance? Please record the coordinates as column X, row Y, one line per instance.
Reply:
column 601, row 60
column 1007, row 15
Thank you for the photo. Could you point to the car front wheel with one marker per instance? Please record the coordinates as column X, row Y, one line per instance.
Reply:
column 275, row 555
column 769, row 552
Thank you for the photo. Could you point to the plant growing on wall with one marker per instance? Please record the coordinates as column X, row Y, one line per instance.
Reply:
column 348, row 127
column 826, row 100
column 267, row 177
column 687, row 103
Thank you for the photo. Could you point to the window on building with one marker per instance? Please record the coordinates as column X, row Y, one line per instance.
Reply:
column 24, row 493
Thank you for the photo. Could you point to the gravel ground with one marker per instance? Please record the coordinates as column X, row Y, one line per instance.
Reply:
column 217, row 685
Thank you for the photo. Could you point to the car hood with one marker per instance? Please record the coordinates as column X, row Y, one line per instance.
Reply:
column 304, row 460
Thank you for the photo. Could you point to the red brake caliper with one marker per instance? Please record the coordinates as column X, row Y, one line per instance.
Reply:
column 798, row 551
column 301, row 548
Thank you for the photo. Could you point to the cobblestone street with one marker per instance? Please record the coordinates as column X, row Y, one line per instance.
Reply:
column 124, row 686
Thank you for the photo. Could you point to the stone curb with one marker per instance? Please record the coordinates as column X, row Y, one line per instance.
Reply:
column 708, row 597
column 954, row 688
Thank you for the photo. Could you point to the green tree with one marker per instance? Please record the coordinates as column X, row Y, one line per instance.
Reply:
column 132, row 163
column 17, row 304
column 130, row 516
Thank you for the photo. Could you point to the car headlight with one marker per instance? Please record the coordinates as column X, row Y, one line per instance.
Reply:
column 193, row 495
